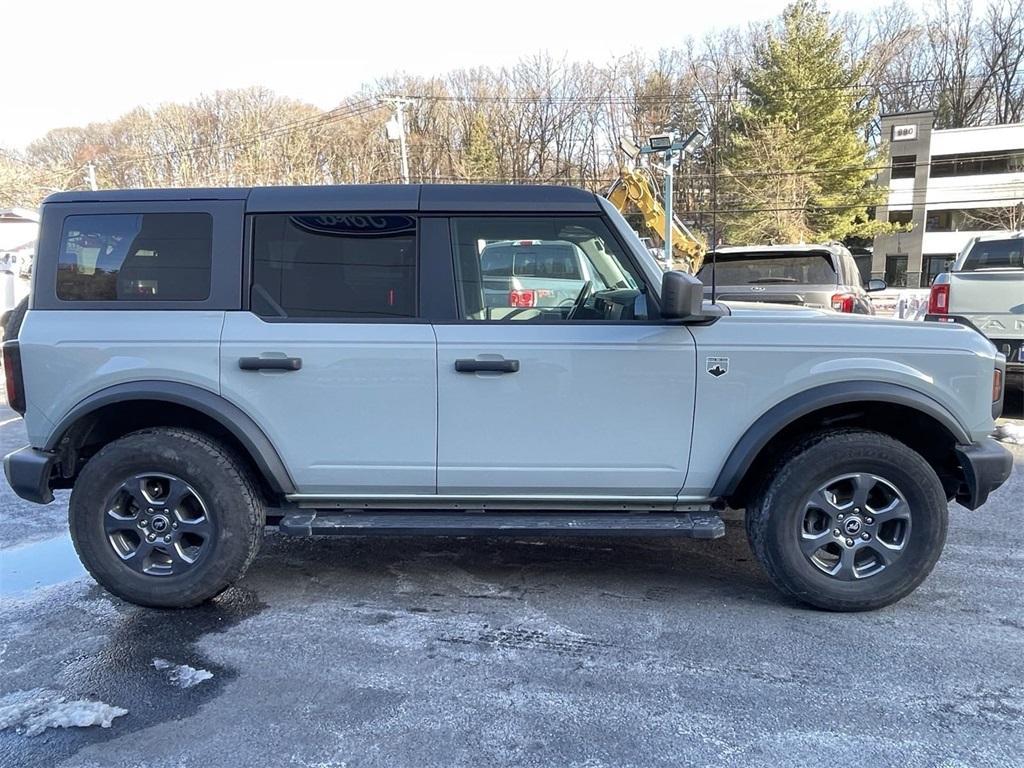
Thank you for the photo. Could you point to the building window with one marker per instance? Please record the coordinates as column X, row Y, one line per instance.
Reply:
column 900, row 217
column 904, row 166
column 936, row 265
column 135, row 257
column 896, row 270
column 972, row 220
column 334, row 266
column 978, row 163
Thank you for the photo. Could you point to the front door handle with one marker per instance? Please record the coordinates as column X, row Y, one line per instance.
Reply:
column 490, row 366
column 270, row 363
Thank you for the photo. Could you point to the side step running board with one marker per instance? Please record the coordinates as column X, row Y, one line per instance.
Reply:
column 693, row 525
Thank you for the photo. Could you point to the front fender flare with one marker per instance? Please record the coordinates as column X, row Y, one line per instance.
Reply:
column 781, row 415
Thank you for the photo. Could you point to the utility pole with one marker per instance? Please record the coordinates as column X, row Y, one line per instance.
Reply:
column 396, row 131
column 90, row 176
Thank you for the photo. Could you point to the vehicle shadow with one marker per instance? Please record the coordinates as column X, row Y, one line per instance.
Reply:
column 376, row 569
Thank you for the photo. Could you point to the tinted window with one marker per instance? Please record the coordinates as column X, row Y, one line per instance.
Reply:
column 995, row 254
column 334, row 266
column 904, row 166
column 766, row 268
column 135, row 257
column 896, row 271
column 543, row 269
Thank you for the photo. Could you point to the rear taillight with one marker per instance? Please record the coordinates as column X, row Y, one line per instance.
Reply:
column 938, row 299
column 12, row 374
column 843, row 302
column 522, row 298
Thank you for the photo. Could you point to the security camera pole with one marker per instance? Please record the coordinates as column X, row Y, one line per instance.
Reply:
column 673, row 148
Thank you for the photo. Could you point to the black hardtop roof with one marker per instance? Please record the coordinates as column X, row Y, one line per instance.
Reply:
column 440, row 198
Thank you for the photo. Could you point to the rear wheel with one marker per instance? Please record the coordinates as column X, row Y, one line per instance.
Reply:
column 165, row 517
column 849, row 521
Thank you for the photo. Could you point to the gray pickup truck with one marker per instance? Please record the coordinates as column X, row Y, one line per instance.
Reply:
column 985, row 288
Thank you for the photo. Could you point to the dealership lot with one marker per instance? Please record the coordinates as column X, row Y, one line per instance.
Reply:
column 609, row 652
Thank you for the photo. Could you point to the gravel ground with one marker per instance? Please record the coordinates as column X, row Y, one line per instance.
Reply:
column 485, row 652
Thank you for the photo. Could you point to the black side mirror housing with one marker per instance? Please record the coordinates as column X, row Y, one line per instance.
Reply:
column 682, row 296
column 875, row 284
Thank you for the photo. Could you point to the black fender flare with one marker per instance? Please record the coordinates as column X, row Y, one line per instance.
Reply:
column 781, row 415
column 228, row 415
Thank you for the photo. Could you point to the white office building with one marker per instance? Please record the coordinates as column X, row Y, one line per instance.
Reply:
column 949, row 185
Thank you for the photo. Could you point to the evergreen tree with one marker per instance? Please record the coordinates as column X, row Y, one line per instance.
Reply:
column 480, row 160
column 798, row 166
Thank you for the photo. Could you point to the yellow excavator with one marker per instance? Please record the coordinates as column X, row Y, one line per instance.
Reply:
column 635, row 188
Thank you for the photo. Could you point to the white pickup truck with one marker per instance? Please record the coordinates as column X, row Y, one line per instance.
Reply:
column 985, row 288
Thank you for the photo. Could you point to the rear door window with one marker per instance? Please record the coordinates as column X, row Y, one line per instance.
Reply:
column 135, row 257
column 334, row 266
column 995, row 254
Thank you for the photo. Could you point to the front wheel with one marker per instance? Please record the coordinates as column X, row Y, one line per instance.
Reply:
column 849, row 521
column 165, row 517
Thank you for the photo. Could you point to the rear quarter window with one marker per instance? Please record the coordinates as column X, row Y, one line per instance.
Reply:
column 135, row 257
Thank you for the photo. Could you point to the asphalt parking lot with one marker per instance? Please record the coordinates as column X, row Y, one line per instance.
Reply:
column 486, row 652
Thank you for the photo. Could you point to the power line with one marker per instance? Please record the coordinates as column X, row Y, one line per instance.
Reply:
column 360, row 107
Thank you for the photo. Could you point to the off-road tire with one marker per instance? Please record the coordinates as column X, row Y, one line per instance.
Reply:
column 13, row 320
column 774, row 518
column 234, row 506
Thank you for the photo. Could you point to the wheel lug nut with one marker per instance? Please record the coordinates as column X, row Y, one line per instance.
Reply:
column 865, row 536
column 143, row 522
column 150, row 510
column 836, row 532
column 849, row 542
column 840, row 516
column 151, row 537
column 869, row 520
column 174, row 525
column 167, row 539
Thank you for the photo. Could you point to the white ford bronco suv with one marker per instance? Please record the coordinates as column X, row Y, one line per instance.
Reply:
column 196, row 364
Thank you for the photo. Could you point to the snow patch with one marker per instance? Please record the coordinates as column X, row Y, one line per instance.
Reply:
column 182, row 675
column 32, row 712
column 1010, row 433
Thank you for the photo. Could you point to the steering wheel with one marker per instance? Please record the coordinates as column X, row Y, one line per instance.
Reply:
column 581, row 299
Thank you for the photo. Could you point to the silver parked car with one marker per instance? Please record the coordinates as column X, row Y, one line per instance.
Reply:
column 197, row 364
column 820, row 276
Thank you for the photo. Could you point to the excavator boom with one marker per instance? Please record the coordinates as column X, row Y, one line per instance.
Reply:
column 634, row 188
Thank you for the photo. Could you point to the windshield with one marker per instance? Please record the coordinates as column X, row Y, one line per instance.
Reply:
column 767, row 268
column 995, row 254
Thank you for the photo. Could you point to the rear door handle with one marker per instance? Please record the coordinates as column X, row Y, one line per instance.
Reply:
column 491, row 366
column 270, row 363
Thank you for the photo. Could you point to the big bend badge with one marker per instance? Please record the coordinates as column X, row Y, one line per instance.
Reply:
column 718, row 366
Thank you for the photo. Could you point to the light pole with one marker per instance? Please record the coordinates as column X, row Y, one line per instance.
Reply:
column 671, row 148
column 395, row 128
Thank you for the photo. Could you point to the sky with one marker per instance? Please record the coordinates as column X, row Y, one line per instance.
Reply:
column 74, row 62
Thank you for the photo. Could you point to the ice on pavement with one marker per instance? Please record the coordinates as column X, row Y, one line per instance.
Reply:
column 182, row 675
column 1010, row 433
column 32, row 712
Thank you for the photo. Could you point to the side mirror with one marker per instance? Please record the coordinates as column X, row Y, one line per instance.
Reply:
column 682, row 296
column 875, row 284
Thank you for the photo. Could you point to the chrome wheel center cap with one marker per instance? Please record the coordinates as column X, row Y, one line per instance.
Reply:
column 159, row 523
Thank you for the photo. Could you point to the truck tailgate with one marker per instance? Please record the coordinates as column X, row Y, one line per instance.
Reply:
column 991, row 299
